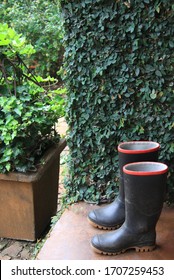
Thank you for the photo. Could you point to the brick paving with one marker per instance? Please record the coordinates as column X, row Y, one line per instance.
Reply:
column 27, row 250
column 16, row 250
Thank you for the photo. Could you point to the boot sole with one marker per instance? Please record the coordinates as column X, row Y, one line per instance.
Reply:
column 137, row 249
column 103, row 227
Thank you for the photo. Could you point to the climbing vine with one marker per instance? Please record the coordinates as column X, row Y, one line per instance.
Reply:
column 119, row 67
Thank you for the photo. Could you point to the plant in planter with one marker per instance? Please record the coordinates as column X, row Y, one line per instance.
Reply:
column 29, row 143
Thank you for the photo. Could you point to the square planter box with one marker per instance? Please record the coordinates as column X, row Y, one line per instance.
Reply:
column 29, row 200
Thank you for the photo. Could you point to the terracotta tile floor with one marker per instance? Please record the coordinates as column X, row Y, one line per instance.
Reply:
column 70, row 238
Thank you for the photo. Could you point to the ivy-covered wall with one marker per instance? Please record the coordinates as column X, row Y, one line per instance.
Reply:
column 119, row 65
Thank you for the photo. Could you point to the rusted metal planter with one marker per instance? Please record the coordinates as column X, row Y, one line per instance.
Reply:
column 28, row 201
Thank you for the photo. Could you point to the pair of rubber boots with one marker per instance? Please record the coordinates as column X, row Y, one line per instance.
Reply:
column 136, row 210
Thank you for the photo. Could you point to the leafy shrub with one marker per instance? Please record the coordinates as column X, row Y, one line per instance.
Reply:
column 119, row 68
column 40, row 22
column 28, row 113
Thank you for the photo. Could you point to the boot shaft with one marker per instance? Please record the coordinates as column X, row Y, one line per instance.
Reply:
column 144, row 185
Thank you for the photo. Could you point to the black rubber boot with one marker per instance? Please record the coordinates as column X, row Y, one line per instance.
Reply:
column 144, row 185
column 112, row 215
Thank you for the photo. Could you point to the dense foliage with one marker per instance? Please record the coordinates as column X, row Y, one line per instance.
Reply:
column 40, row 22
column 119, row 66
column 28, row 113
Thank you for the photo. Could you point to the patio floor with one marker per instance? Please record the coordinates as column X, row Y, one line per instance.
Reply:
column 70, row 238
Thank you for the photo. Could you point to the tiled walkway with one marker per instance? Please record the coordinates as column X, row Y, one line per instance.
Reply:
column 70, row 238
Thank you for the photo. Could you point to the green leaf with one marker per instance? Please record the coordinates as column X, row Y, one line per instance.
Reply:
column 153, row 95
column 137, row 71
column 158, row 73
column 8, row 166
column 157, row 9
column 171, row 44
